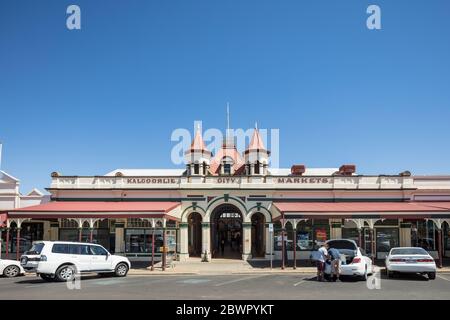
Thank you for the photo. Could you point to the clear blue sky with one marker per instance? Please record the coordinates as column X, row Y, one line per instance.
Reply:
column 108, row 96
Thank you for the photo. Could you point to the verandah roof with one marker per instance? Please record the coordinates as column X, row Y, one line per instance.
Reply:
column 355, row 209
column 82, row 209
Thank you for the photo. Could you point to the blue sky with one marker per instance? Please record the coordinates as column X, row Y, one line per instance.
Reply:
column 109, row 96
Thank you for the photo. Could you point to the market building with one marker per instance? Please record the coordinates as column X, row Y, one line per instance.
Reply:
column 224, row 206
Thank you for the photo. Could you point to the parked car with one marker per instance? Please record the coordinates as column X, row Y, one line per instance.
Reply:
column 61, row 261
column 410, row 260
column 354, row 261
column 10, row 268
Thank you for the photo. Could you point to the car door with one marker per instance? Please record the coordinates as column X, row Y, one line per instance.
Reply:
column 81, row 255
column 100, row 259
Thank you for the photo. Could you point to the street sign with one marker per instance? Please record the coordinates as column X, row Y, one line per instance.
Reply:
column 270, row 227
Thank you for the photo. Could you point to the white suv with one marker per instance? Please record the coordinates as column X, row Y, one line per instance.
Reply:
column 60, row 260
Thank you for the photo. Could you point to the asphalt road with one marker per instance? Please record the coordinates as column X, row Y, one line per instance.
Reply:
column 226, row 287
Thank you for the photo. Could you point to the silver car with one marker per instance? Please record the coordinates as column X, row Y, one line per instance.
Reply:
column 410, row 260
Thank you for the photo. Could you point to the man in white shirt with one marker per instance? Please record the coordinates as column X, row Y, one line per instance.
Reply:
column 323, row 254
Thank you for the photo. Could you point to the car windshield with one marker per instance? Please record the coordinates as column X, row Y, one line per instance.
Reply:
column 408, row 251
column 35, row 249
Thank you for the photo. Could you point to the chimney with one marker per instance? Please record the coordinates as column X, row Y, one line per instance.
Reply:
column 298, row 169
column 347, row 169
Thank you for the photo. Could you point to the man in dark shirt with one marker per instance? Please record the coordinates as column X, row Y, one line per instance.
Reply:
column 335, row 258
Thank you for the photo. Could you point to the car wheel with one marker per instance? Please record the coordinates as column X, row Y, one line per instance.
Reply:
column 11, row 271
column 46, row 277
column 432, row 275
column 121, row 270
column 65, row 273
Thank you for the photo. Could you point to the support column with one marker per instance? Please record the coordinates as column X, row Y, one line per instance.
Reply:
column 164, row 251
column 283, row 247
column 295, row 246
column 119, row 237
column 7, row 243
column 372, row 243
column 153, row 248
column 206, row 241
column 247, row 241
column 54, row 228
column 269, row 242
column 440, row 253
column 18, row 243
column 335, row 229
column 184, row 241
column 405, row 234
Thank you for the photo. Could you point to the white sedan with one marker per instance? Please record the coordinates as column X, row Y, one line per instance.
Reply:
column 410, row 260
column 10, row 268
column 354, row 262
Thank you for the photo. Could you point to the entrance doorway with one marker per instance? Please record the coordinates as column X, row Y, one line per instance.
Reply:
column 195, row 235
column 226, row 232
column 258, row 230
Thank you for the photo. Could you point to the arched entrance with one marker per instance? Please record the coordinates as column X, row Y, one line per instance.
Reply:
column 226, row 232
column 195, row 234
column 258, row 235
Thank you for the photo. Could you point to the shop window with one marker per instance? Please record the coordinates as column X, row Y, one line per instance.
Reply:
column 310, row 235
column 138, row 223
column 350, row 233
column 446, row 234
column 387, row 238
column 99, row 236
column 277, row 236
column 139, row 241
column 29, row 232
column 305, row 236
column 424, row 235
column 387, row 222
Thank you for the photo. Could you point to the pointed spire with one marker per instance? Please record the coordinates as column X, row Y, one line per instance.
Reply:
column 257, row 142
column 198, row 144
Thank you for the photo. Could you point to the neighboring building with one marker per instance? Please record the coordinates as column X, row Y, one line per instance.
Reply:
column 10, row 199
column 223, row 205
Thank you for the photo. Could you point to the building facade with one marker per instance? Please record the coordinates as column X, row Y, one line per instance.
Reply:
column 10, row 199
column 233, row 205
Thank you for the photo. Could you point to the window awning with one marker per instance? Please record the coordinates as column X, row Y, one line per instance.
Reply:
column 376, row 209
column 106, row 209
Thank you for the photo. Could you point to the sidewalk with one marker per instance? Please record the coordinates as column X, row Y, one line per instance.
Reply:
column 226, row 267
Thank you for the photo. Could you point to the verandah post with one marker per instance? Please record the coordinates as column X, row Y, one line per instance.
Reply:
column 439, row 230
column 153, row 249
column 295, row 247
column 18, row 243
column 7, row 243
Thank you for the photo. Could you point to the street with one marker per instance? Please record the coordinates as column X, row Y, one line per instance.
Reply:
column 226, row 287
